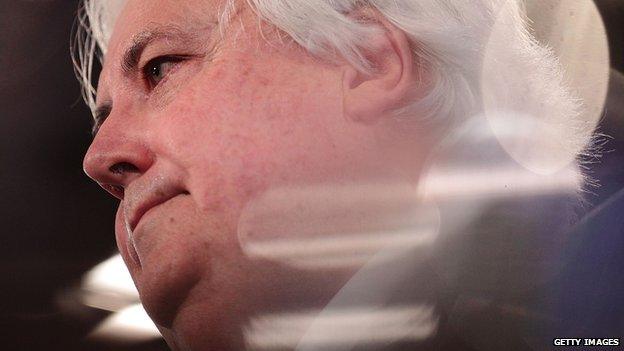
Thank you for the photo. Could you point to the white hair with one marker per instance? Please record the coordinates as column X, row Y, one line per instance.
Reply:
column 453, row 41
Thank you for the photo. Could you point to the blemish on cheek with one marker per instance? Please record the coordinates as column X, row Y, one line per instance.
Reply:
column 217, row 74
column 171, row 220
column 263, row 81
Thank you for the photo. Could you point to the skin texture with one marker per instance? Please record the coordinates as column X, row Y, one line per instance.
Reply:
column 235, row 117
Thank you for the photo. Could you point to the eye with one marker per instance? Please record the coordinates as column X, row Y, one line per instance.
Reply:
column 158, row 68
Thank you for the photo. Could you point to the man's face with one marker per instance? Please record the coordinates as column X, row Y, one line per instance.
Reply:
column 199, row 125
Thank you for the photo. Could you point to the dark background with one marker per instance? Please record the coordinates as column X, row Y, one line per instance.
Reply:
column 56, row 223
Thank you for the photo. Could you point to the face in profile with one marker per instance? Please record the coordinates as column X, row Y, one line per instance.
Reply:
column 198, row 118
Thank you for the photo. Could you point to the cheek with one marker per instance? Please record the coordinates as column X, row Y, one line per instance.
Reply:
column 240, row 129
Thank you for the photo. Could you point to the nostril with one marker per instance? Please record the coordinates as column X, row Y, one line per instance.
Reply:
column 123, row 167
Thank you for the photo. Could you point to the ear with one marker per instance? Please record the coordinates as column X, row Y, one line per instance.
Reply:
column 371, row 97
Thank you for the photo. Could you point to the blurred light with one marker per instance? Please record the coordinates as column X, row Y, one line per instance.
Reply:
column 131, row 324
column 495, row 184
column 555, row 107
column 583, row 51
column 349, row 250
column 344, row 226
column 108, row 286
column 323, row 226
column 341, row 328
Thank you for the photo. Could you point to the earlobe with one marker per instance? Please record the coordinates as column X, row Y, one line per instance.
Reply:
column 369, row 97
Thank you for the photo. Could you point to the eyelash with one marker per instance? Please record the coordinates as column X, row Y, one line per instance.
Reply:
column 148, row 70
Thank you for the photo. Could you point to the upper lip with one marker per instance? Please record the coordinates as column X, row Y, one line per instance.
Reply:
column 152, row 195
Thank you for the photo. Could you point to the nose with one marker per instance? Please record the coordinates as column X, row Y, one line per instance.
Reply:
column 114, row 160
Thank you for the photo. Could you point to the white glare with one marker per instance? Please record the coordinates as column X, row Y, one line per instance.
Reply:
column 132, row 324
column 108, row 286
column 491, row 184
column 336, row 225
column 341, row 328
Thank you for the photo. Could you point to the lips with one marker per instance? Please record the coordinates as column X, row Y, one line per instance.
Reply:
column 138, row 213
column 140, row 200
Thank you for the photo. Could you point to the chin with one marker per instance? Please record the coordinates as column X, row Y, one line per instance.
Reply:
column 166, row 285
column 173, row 256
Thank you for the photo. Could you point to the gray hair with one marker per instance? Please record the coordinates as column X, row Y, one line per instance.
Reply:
column 479, row 54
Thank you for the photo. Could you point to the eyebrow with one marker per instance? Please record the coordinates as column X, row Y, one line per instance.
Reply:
column 132, row 55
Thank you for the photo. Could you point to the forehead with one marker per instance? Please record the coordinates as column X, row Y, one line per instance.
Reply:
column 140, row 16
